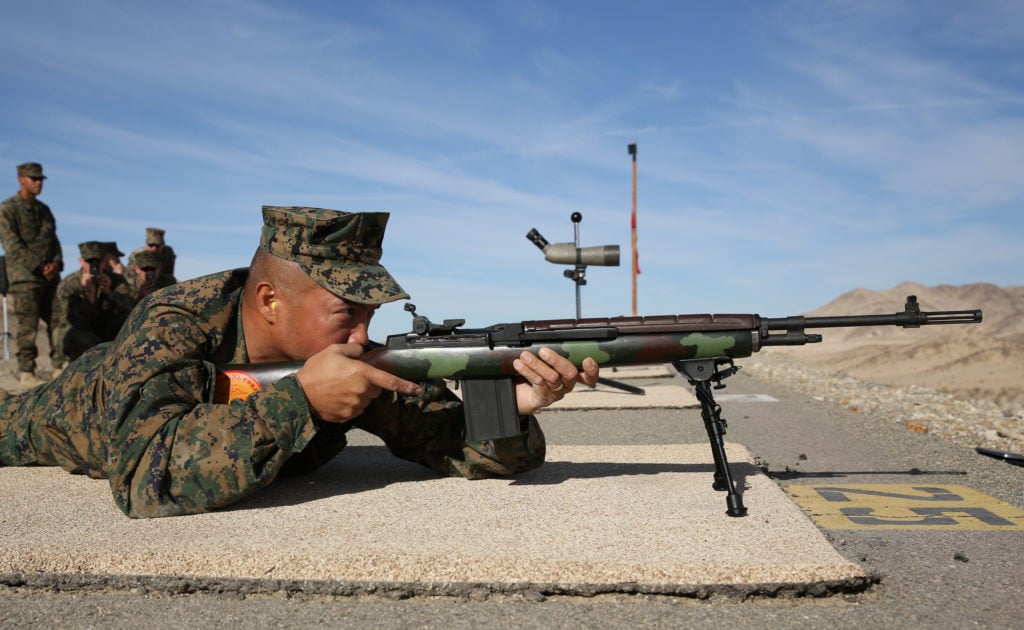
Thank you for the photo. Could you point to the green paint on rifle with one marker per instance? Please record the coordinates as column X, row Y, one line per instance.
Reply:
column 577, row 351
column 709, row 346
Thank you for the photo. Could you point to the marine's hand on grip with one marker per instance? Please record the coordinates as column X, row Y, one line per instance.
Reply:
column 338, row 386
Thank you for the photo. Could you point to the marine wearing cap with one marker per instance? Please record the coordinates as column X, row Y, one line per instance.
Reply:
column 110, row 247
column 145, row 260
column 341, row 251
column 33, row 170
column 154, row 236
column 91, row 250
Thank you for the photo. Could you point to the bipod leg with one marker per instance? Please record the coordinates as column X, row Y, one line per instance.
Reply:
column 700, row 374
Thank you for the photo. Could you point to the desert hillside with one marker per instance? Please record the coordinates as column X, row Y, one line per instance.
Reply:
column 983, row 360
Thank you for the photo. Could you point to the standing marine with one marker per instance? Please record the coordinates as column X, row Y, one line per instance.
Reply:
column 28, row 233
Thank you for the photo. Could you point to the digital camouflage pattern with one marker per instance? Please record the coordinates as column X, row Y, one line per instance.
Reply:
column 28, row 233
column 341, row 251
column 138, row 411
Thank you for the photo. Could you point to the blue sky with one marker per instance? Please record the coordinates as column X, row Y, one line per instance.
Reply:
column 787, row 152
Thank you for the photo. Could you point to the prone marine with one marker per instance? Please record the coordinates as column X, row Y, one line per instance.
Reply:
column 138, row 411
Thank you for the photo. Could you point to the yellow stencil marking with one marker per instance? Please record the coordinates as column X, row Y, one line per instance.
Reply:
column 904, row 506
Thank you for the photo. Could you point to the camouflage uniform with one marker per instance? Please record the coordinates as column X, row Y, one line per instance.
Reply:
column 80, row 324
column 145, row 259
column 137, row 411
column 28, row 233
column 155, row 236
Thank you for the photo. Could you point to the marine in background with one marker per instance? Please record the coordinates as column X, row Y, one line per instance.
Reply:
column 28, row 233
column 146, row 275
column 93, row 302
column 155, row 243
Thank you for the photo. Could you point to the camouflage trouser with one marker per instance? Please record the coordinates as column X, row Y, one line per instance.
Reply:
column 33, row 302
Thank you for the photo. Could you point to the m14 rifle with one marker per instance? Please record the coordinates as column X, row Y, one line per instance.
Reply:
column 702, row 348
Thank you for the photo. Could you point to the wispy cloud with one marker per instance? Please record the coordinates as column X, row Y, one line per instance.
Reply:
column 786, row 152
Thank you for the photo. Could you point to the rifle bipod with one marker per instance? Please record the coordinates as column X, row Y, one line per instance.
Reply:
column 700, row 373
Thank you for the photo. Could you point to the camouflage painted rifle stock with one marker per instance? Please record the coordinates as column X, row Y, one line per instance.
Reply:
column 698, row 346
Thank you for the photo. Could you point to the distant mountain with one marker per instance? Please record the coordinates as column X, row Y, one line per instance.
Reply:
column 1002, row 307
column 975, row 360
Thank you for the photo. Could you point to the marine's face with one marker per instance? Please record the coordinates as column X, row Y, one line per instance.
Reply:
column 31, row 185
column 314, row 318
column 109, row 260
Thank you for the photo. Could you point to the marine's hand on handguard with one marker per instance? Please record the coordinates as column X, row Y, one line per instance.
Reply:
column 548, row 378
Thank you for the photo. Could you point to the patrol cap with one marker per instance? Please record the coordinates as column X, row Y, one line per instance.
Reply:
column 110, row 247
column 31, row 169
column 339, row 250
column 145, row 259
column 154, row 236
column 91, row 250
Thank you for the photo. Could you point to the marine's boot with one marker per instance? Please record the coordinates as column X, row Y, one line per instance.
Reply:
column 28, row 379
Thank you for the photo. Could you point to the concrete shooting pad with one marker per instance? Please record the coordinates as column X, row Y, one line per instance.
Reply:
column 635, row 519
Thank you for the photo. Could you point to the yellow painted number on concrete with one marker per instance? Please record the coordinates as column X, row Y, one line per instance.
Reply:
column 896, row 506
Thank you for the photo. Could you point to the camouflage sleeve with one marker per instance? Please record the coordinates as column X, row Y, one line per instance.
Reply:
column 25, row 256
column 430, row 430
column 21, row 260
column 170, row 451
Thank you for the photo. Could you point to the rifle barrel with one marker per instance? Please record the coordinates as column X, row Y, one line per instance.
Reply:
column 911, row 317
column 906, row 319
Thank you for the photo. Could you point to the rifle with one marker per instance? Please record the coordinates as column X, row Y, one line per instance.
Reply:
column 702, row 349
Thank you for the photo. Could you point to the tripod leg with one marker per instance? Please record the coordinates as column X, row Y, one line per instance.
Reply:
column 632, row 389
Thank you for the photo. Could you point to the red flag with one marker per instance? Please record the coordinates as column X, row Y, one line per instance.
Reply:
column 636, row 255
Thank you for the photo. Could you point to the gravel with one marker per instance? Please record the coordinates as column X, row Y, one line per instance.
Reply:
column 970, row 422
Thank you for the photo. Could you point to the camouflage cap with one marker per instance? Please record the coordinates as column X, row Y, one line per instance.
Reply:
column 31, row 169
column 145, row 259
column 91, row 250
column 339, row 250
column 154, row 236
column 110, row 247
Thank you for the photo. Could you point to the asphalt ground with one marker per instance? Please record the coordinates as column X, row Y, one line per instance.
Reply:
column 948, row 567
